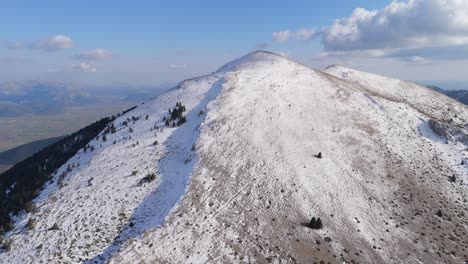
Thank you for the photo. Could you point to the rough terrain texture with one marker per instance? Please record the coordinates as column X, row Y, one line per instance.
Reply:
column 239, row 181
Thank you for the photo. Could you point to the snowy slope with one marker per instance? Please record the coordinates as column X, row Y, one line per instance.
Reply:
column 236, row 183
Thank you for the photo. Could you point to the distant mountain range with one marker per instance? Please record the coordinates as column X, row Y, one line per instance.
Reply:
column 39, row 98
column 459, row 95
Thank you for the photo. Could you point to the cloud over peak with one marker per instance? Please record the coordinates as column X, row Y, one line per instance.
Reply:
column 281, row 36
column 301, row 34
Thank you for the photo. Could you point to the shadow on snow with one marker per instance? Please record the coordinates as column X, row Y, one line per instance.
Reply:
column 175, row 169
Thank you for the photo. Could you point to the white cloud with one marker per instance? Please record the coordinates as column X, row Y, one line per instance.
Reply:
column 301, row 34
column 281, row 36
column 411, row 24
column 85, row 67
column 97, row 54
column 54, row 43
column 418, row 60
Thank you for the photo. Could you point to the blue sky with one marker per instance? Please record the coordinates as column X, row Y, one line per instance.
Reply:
column 153, row 42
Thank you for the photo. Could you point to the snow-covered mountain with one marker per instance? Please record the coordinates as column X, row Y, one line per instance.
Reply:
column 239, row 181
column 459, row 95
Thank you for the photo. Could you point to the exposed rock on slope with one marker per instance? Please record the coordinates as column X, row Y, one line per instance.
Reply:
column 238, row 181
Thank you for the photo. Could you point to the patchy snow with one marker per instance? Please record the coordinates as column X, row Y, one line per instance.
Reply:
column 239, row 181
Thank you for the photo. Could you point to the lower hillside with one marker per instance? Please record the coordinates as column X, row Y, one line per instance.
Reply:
column 25, row 180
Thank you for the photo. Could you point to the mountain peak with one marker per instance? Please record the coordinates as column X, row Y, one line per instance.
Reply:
column 257, row 57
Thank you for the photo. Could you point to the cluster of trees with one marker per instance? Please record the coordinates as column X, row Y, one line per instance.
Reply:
column 128, row 110
column 148, row 178
column 23, row 182
column 316, row 223
column 110, row 129
column 29, row 176
column 177, row 117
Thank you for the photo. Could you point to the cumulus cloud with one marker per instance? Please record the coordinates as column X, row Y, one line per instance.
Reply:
column 301, row 34
column 85, row 67
column 400, row 25
column 97, row 54
column 54, row 43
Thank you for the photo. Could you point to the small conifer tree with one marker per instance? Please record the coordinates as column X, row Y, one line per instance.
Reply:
column 31, row 223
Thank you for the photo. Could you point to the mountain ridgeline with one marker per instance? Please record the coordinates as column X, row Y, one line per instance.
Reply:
column 459, row 95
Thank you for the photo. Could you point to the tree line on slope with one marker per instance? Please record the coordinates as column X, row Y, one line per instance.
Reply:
column 24, row 181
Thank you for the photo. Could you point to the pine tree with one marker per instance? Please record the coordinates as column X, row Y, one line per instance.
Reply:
column 313, row 222
column 7, row 244
column 319, row 224
column 452, row 178
column 9, row 226
column 316, row 223
column 30, row 207
column 54, row 227
column 112, row 129
column 31, row 223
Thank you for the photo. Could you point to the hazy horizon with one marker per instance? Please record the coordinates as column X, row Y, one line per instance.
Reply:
column 152, row 43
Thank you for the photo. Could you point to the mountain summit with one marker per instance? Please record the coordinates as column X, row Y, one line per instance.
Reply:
column 231, row 168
